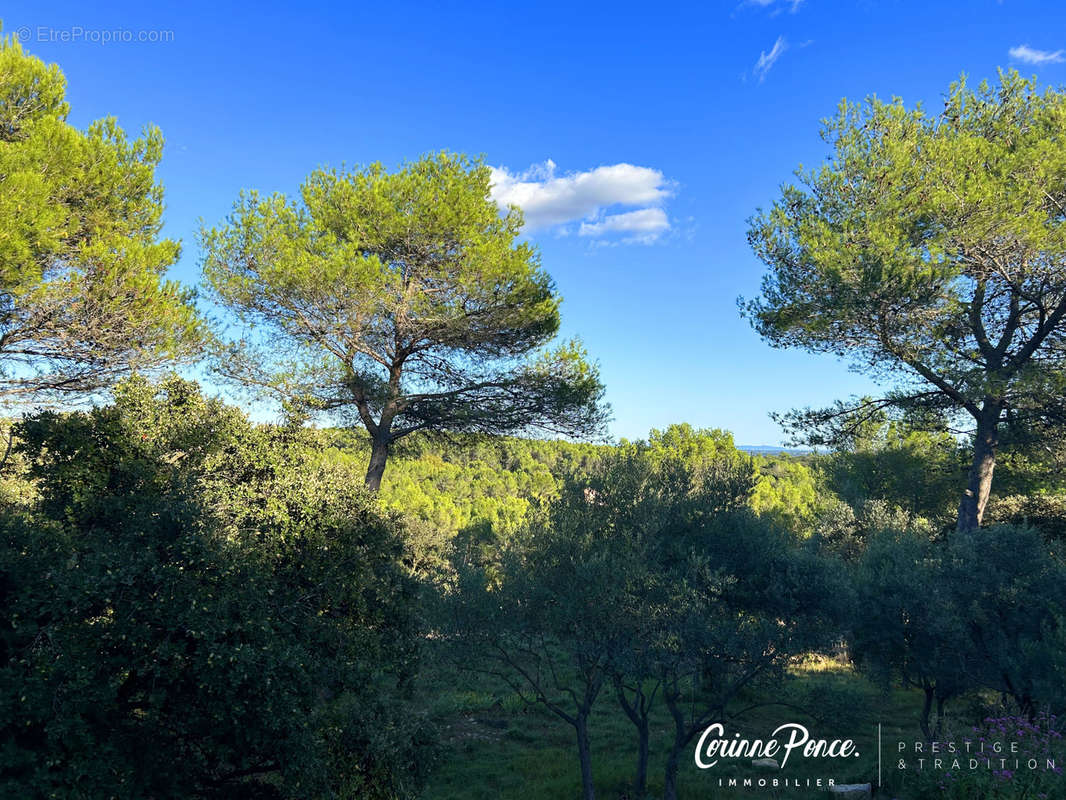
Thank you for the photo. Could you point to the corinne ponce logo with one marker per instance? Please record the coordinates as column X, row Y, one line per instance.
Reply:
column 786, row 741
column 714, row 744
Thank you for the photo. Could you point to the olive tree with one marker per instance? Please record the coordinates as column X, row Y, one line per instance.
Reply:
column 908, row 625
column 743, row 599
column 648, row 576
column 547, row 623
column 977, row 610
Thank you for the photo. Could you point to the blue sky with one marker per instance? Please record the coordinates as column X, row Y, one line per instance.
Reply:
column 641, row 135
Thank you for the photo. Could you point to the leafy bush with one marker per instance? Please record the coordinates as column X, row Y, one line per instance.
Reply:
column 977, row 610
column 1045, row 512
column 846, row 530
column 1009, row 590
column 198, row 607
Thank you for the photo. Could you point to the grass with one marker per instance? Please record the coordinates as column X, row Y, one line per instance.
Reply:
column 494, row 747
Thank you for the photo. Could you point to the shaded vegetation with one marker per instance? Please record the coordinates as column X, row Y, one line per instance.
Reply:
column 194, row 607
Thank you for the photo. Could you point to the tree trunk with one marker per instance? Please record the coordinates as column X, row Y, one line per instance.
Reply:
column 974, row 499
column 681, row 737
column 637, row 711
column 670, row 774
column 588, row 790
column 939, row 729
column 379, row 454
column 640, row 783
column 927, row 708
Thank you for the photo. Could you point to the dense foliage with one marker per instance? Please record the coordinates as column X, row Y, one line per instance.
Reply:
column 650, row 576
column 83, row 300
column 981, row 610
column 194, row 606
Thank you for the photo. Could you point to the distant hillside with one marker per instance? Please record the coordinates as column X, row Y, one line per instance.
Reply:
column 769, row 449
column 483, row 488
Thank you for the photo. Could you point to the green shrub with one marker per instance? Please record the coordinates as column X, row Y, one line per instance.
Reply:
column 198, row 608
column 976, row 610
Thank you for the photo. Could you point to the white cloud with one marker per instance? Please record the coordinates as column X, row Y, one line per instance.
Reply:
column 767, row 60
column 777, row 6
column 644, row 225
column 549, row 200
column 1024, row 52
